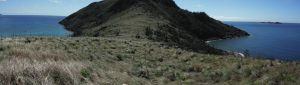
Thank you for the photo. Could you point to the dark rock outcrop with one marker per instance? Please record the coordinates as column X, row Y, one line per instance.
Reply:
column 159, row 20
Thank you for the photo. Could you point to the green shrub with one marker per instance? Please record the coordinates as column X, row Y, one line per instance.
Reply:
column 85, row 73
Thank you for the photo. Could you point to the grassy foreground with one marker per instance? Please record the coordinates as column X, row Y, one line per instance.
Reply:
column 113, row 61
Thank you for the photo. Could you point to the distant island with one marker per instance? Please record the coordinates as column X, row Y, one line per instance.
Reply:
column 272, row 22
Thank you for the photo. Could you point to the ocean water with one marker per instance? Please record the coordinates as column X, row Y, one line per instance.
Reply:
column 273, row 41
column 21, row 25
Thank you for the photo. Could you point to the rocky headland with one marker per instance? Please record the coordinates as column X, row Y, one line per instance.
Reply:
column 158, row 20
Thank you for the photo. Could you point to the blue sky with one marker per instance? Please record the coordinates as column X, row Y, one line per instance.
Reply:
column 225, row 10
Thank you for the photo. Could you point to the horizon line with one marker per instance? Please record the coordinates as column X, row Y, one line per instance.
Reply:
column 69, row 15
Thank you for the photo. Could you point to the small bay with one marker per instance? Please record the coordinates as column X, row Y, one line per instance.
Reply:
column 273, row 41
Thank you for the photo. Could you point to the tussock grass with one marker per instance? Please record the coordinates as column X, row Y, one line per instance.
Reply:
column 116, row 61
column 35, row 72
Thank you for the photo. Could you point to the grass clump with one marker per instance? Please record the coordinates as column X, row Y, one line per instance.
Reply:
column 85, row 73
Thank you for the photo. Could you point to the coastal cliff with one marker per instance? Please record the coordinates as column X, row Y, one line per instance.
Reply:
column 158, row 20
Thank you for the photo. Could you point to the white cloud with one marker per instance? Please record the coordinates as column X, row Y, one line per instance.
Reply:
column 3, row 0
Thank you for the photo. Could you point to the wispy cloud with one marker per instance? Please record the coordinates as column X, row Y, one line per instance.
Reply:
column 234, row 18
column 55, row 1
column 3, row 0
column 227, row 18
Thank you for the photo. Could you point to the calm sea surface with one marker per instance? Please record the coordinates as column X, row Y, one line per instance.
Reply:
column 274, row 41
column 19, row 25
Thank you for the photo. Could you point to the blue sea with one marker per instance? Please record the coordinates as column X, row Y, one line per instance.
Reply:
column 27, row 25
column 272, row 41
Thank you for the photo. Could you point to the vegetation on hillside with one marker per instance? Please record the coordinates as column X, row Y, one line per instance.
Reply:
column 159, row 20
column 115, row 61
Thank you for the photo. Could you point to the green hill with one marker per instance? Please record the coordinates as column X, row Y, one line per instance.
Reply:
column 159, row 20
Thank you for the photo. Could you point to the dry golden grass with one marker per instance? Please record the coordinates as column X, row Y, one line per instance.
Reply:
column 24, row 64
column 36, row 72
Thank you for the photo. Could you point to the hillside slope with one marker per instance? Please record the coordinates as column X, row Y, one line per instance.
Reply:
column 159, row 20
column 115, row 61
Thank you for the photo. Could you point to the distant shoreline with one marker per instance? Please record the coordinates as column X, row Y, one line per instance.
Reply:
column 272, row 22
